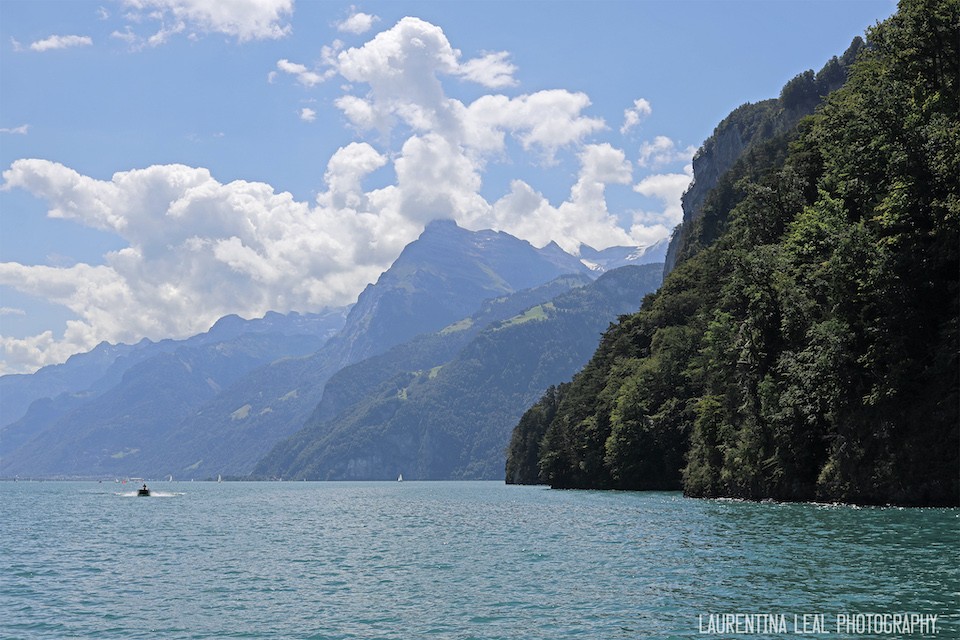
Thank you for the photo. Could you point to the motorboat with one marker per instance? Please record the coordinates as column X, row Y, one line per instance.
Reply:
column 143, row 491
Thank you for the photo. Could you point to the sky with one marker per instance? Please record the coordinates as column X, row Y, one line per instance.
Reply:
column 168, row 162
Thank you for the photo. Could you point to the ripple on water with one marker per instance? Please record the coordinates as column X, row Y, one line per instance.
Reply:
column 447, row 560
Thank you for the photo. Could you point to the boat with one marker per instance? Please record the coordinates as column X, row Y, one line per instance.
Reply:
column 143, row 491
column 400, row 478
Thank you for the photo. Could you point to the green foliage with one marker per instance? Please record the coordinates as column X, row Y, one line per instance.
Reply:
column 523, row 453
column 806, row 345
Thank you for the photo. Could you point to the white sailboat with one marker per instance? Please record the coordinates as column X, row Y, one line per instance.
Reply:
column 219, row 479
column 400, row 478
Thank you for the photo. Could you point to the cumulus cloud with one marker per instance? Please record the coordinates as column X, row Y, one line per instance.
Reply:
column 304, row 76
column 357, row 22
column 668, row 188
column 403, row 67
column 21, row 130
column 345, row 170
column 662, row 150
column 245, row 20
column 195, row 249
column 61, row 42
column 548, row 119
column 493, row 70
column 583, row 218
column 198, row 249
column 634, row 115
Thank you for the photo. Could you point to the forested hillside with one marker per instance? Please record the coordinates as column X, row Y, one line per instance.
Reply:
column 805, row 346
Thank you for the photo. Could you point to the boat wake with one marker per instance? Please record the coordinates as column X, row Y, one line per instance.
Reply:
column 153, row 494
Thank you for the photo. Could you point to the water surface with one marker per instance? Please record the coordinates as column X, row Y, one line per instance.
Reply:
column 450, row 560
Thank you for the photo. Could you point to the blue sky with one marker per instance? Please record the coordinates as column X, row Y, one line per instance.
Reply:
column 166, row 162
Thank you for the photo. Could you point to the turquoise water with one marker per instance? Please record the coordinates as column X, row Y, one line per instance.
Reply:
column 451, row 560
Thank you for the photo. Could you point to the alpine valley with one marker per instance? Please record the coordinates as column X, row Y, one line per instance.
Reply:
column 454, row 301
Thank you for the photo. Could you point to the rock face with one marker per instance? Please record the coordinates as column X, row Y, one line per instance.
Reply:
column 746, row 128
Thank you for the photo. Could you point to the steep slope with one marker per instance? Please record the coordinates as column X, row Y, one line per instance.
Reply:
column 807, row 346
column 443, row 276
column 453, row 419
column 356, row 382
column 752, row 130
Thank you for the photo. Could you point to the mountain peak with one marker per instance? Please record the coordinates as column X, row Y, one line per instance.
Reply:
column 440, row 225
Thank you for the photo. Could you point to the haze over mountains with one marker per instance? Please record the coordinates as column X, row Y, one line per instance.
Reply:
column 218, row 402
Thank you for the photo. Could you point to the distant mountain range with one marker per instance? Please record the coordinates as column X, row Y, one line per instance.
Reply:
column 218, row 402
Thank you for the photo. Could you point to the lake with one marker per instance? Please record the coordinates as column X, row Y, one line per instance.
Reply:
column 463, row 560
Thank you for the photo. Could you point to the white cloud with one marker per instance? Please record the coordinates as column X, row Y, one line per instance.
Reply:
column 662, row 150
column 584, row 218
column 21, row 130
column 548, row 119
column 198, row 249
column 195, row 249
column 668, row 188
column 403, row 67
column 359, row 112
column 357, row 22
column 127, row 35
column 11, row 311
column 492, row 70
column 304, row 76
column 437, row 180
column 245, row 20
column 345, row 170
column 634, row 115
column 163, row 35
column 402, row 63
column 61, row 42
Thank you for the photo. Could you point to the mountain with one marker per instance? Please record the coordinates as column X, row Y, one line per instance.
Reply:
column 19, row 391
column 356, row 382
column 616, row 257
column 91, row 373
column 163, row 380
column 217, row 403
column 443, row 417
column 805, row 344
column 440, row 278
column 750, row 132
column 443, row 277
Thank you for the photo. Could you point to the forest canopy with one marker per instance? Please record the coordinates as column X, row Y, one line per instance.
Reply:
column 805, row 346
